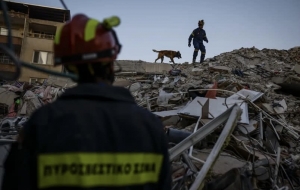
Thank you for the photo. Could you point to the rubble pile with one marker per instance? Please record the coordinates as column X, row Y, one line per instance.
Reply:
column 259, row 148
column 272, row 59
column 257, row 71
column 19, row 99
column 231, row 122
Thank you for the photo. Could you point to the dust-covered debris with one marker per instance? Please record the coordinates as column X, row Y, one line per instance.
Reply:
column 264, row 83
column 260, row 150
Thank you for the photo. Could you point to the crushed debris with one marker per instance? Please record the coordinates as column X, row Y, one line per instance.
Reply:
column 232, row 122
column 261, row 148
column 18, row 101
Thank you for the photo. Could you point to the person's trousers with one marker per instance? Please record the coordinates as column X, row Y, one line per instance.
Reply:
column 199, row 46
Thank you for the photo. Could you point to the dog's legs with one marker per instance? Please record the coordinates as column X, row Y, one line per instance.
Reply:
column 162, row 59
column 172, row 60
column 156, row 60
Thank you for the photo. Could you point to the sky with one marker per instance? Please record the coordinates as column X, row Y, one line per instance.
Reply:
column 167, row 24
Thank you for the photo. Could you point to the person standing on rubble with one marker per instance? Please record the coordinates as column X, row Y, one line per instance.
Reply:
column 199, row 36
column 94, row 135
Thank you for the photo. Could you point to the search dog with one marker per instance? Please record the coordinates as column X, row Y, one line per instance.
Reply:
column 168, row 53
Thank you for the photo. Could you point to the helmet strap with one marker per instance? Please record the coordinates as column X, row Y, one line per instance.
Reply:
column 86, row 57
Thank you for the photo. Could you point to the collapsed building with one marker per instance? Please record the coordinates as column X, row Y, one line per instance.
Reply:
column 232, row 122
column 33, row 28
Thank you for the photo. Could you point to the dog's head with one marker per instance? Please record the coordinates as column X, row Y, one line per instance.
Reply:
column 178, row 54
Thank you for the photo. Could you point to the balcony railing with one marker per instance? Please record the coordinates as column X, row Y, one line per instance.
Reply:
column 43, row 36
column 5, row 60
column 14, row 14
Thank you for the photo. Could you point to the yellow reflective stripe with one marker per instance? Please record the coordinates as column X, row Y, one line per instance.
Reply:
column 57, row 35
column 111, row 22
column 91, row 69
column 98, row 169
column 192, row 34
column 196, row 49
column 90, row 29
column 202, row 52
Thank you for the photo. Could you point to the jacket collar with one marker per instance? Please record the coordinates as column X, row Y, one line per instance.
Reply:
column 98, row 91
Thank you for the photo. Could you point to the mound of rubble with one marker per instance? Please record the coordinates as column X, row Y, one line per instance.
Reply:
column 232, row 122
column 272, row 59
column 212, row 144
column 19, row 99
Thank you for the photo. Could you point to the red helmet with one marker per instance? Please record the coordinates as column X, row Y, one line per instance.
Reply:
column 86, row 40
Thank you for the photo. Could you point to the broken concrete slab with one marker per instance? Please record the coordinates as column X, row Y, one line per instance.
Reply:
column 135, row 87
column 197, row 71
column 223, row 164
column 220, row 69
column 60, row 82
column 248, row 129
column 297, row 68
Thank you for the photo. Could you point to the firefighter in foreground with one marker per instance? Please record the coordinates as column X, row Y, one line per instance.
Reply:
column 199, row 36
column 95, row 135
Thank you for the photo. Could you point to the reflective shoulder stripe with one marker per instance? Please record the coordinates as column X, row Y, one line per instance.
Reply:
column 90, row 29
column 88, row 170
column 57, row 35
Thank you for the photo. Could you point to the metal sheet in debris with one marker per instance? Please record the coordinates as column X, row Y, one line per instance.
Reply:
column 217, row 107
column 194, row 108
column 166, row 113
column 250, row 94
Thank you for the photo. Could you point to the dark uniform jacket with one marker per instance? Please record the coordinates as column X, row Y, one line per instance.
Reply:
column 93, row 137
column 199, row 35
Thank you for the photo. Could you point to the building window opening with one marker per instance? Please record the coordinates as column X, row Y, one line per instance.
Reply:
column 3, row 31
column 42, row 57
column 39, row 81
column 5, row 59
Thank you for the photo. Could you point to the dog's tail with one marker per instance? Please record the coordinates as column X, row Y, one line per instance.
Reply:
column 155, row 51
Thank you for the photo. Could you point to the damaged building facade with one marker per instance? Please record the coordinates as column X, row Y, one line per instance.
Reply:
column 33, row 30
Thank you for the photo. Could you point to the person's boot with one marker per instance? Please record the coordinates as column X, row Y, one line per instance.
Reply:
column 202, row 58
